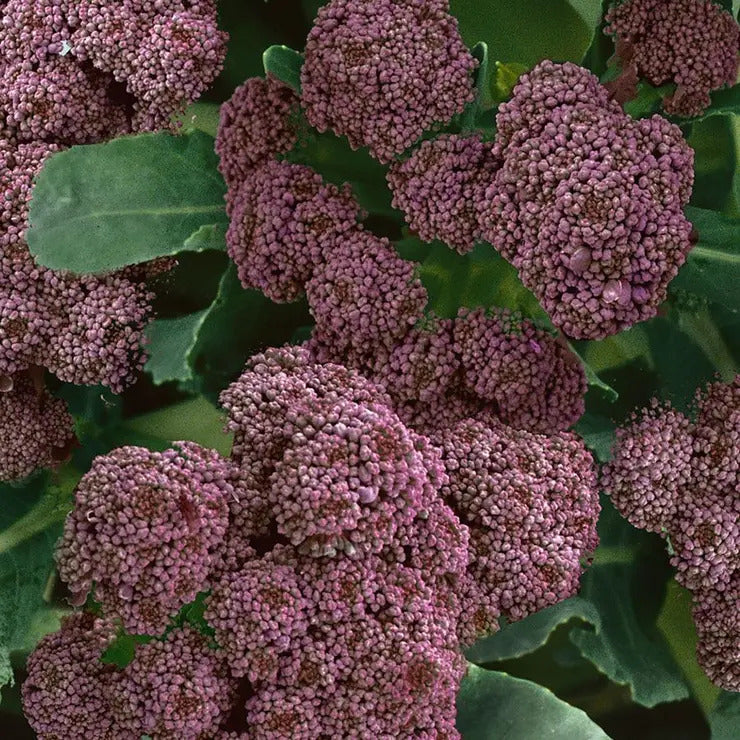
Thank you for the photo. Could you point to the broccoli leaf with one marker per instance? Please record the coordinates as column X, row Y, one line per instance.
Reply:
column 196, row 420
column 525, row 636
column 530, row 31
column 626, row 585
column 284, row 64
column 491, row 704
column 30, row 523
column 238, row 323
column 171, row 342
column 724, row 719
column 712, row 269
column 101, row 207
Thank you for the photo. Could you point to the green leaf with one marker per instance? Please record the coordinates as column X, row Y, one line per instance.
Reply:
column 239, row 323
column 208, row 236
column 195, row 420
column 531, row 30
column 724, row 719
column 284, row 64
column 593, row 379
column 171, row 342
column 598, row 433
column 676, row 623
column 101, row 207
column 525, row 636
column 30, row 523
column 201, row 116
column 712, row 269
column 495, row 706
column 626, row 584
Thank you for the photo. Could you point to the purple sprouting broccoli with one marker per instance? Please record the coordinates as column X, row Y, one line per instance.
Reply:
column 681, row 479
column 478, row 365
column 587, row 203
column 652, row 466
column 144, row 531
column 535, row 382
column 258, row 122
column 285, row 222
column 342, row 471
column 382, row 72
column 68, row 689
column 74, row 73
column 175, row 689
column 364, row 295
column 692, row 43
column 36, row 430
column 163, row 55
column 441, row 188
column 531, row 503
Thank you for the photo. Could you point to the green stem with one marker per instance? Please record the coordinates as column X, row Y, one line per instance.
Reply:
column 47, row 512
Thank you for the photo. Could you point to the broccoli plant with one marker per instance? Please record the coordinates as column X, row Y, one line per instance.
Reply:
column 369, row 369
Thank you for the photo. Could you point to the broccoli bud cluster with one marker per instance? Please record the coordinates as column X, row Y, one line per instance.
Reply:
column 35, row 428
column 587, row 203
column 680, row 478
column 691, row 43
column 382, row 72
column 343, row 558
column 76, row 73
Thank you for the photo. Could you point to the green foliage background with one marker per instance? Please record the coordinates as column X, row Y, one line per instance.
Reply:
column 615, row 661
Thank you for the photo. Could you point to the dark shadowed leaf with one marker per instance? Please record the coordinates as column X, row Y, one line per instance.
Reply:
column 495, row 706
column 101, row 207
column 170, row 343
column 724, row 719
column 525, row 636
column 626, row 585
column 712, row 269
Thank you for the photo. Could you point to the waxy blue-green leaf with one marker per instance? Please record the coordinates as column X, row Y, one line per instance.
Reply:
column 284, row 64
column 496, row 706
column 529, row 30
column 102, row 207
column 171, row 342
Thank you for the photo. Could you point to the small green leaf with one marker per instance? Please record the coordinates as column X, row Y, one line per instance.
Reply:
column 284, row 64
column 171, row 341
column 593, row 379
column 495, row 706
column 598, row 433
column 101, row 207
column 525, row 636
column 196, row 420
column 506, row 77
column 201, row 116
column 712, row 269
column 208, row 236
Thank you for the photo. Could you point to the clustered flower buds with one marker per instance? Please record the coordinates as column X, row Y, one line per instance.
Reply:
column 587, row 203
column 344, row 559
column 35, row 428
column 680, row 478
column 382, row 72
column 441, row 188
column 77, row 73
column 692, row 43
